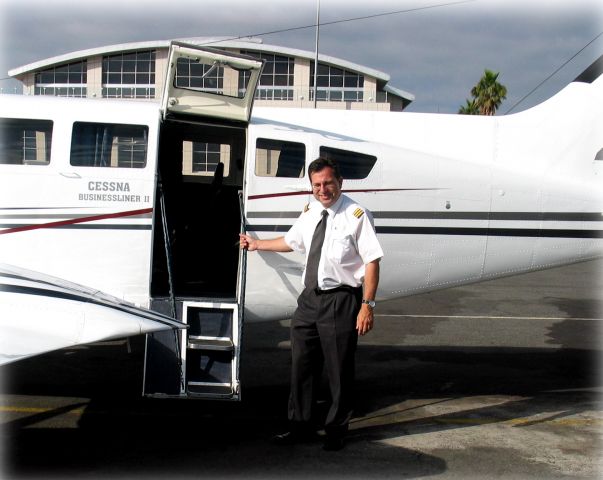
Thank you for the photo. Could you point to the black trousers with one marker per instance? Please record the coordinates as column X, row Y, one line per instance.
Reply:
column 323, row 334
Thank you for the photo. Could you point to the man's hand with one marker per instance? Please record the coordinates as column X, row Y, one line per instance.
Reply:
column 272, row 245
column 247, row 243
column 364, row 321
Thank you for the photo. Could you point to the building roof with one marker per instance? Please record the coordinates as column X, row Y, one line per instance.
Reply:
column 242, row 43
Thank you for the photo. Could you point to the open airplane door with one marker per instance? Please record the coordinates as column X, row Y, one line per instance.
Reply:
column 209, row 83
column 207, row 101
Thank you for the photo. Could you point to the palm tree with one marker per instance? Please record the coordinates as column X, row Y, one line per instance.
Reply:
column 489, row 93
column 470, row 108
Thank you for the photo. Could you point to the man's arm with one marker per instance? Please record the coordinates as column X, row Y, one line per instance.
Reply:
column 364, row 322
column 272, row 245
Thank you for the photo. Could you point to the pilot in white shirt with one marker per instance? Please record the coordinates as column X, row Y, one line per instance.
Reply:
column 336, row 305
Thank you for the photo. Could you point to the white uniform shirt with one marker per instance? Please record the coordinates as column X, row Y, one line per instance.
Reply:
column 350, row 242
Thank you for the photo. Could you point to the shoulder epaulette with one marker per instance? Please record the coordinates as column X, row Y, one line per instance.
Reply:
column 358, row 212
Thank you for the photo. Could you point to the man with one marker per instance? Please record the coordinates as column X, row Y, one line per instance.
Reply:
column 343, row 253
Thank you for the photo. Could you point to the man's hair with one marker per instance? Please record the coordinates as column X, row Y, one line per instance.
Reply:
column 322, row 162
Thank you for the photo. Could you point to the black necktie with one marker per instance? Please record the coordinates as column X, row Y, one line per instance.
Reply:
column 318, row 238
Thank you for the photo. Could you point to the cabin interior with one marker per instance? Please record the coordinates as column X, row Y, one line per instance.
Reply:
column 198, row 218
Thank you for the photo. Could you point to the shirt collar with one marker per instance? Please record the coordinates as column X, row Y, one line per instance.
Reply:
column 333, row 209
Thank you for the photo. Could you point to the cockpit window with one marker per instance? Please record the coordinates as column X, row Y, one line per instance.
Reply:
column 352, row 165
column 25, row 141
column 109, row 145
column 277, row 158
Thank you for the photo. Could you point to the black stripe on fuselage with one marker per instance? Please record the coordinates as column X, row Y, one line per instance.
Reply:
column 509, row 216
column 467, row 231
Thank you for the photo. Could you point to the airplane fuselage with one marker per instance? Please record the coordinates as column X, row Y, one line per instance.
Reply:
column 455, row 198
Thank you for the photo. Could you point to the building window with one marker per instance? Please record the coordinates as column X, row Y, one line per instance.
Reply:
column 277, row 158
column 62, row 81
column 352, row 165
column 276, row 81
column 109, row 145
column 25, row 142
column 129, row 75
column 199, row 76
column 336, row 84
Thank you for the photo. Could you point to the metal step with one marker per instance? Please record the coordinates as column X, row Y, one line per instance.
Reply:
column 209, row 343
column 210, row 349
column 207, row 390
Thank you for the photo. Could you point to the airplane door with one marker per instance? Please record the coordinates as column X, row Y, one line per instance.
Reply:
column 198, row 268
column 210, row 83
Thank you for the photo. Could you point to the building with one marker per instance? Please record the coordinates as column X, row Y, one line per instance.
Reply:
column 137, row 70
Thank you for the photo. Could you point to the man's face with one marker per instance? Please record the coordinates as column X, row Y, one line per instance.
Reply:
column 326, row 187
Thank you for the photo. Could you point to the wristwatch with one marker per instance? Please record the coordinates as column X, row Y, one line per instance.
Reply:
column 370, row 303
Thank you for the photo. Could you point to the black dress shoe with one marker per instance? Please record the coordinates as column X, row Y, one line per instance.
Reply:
column 333, row 443
column 292, row 437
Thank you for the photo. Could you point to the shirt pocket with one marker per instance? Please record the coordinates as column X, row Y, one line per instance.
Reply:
column 342, row 247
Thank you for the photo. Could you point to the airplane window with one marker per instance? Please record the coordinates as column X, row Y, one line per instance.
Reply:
column 203, row 158
column 277, row 158
column 25, row 141
column 109, row 145
column 599, row 155
column 352, row 165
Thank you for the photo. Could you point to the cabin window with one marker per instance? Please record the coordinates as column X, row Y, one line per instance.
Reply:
column 599, row 155
column 219, row 79
column 109, row 145
column 193, row 75
column 352, row 165
column 277, row 158
column 202, row 158
column 25, row 141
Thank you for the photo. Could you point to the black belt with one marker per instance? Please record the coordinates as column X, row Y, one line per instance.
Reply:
column 341, row 288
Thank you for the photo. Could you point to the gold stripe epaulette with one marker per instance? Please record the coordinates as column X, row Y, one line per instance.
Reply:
column 358, row 212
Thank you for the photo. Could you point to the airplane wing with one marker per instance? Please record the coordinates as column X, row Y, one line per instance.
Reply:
column 39, row 313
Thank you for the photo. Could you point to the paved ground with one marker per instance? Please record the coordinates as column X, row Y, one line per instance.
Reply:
column 498, row 380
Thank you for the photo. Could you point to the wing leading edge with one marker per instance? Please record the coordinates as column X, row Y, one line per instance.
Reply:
column 39, row 314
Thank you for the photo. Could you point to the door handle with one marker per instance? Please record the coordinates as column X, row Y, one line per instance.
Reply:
column 70, row 175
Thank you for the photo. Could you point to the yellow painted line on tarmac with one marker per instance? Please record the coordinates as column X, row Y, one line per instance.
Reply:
column 518, row 422
column 10, row 409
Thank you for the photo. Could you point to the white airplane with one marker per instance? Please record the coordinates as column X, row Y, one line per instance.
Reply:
column 144, row 202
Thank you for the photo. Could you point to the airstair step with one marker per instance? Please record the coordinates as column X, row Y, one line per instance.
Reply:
column 205, row 343
column 208, row 390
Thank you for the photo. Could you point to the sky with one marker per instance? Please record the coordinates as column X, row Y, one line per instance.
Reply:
column 435, row 49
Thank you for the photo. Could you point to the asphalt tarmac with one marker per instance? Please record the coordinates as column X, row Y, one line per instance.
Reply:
column 496, row 380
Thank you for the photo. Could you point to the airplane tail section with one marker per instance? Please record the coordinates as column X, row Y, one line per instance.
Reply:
column 562, row 137
column 592, row 73
column 39, row 314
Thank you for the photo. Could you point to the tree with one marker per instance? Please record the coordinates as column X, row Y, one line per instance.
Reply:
column 470, row 108
column 488, row 95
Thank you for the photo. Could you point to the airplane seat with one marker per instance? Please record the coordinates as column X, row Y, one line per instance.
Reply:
column 218, row 177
